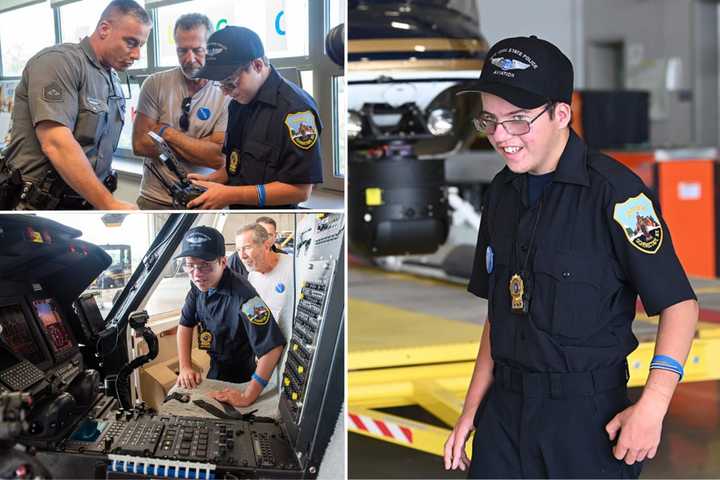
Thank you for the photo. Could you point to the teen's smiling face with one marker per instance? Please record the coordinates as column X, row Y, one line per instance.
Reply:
column 536, row 151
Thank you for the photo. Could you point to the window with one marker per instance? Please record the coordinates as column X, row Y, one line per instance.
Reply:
column 281, row 24
column 79, row 19
column 130, row 110
column 126, row 245
column 339, row 118
column 24, row 32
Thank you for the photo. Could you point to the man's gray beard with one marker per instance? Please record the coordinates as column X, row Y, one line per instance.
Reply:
column 191, row 75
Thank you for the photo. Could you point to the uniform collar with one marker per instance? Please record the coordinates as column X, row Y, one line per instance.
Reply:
column 268, row 91
column 224, row 287
column 87, row 48
column 571, row 168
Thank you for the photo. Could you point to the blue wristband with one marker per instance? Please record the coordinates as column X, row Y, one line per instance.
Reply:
column 162, row 130
column 259, row 379
column 261, row 195
column 664, row 362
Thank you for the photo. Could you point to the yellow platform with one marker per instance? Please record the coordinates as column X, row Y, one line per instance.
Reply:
column 399, row 357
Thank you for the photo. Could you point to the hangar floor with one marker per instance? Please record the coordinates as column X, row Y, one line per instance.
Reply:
column 691, row 435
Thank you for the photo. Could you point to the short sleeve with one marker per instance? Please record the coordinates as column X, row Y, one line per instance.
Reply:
column 148, row 101
column 53, row 84
column 188, row 317
column 479, row 279
column 262, row 329
column 222, row 121
column 301, row 159
column 643, row 247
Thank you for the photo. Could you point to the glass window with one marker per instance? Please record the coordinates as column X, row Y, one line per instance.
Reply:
column 130, row 111
column 337, row 12
column 126, row 244
column 281, row 24
column 24, row 32
column 339, row 118
column 79, row 19
column 306, row 78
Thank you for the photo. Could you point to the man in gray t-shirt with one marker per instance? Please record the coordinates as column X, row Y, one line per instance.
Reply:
column 190, row 114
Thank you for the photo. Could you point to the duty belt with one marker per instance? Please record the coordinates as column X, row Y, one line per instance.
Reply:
column 560, row 385
column 53, row 194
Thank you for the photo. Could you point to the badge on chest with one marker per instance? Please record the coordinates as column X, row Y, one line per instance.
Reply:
column 205, row 338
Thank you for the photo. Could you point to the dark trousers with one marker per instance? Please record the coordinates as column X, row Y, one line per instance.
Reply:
column 549, row 426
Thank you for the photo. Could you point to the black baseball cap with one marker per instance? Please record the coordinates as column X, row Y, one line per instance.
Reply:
column 527, row 72
column 229, row 49
column 203, row 242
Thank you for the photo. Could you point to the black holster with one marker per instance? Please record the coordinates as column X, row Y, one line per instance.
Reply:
column 11, row 185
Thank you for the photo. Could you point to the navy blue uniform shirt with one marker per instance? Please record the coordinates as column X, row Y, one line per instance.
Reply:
column 600, row 241
column 276, row 137
column 242, row 326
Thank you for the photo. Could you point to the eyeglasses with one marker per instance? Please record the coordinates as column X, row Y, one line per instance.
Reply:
column 488, row 126
column 204, row 267
column 185, row 117
column 230, row 82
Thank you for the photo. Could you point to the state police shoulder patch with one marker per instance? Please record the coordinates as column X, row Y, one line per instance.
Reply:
column 641, row 225
column 302, row 129
column 256, row 311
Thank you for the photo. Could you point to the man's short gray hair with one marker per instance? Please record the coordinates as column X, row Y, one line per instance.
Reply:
column 189, row 21
column 125, row 7
column 260, row 235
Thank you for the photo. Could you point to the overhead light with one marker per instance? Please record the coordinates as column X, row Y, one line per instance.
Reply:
column 400, row 25
column 440, row 122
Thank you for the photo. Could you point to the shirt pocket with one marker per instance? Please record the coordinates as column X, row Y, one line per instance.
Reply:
column 568, row 293
column 91, row 122
column 259, row 162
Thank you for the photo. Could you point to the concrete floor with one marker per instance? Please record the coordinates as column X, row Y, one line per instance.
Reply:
column 691, row 432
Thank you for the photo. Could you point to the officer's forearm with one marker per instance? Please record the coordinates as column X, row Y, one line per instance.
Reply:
column 184, row 345
column 198, row 151
column 482, row 374
column 69, row 159
column 265, row 366
column 674, row 338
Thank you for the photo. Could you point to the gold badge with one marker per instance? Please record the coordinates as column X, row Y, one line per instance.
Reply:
column 302, row 128
column 517, row 288
column 256, row 311
column 234, row 160
column 205, row 339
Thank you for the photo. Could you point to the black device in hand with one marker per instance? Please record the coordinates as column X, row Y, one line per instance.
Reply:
column 182, row 190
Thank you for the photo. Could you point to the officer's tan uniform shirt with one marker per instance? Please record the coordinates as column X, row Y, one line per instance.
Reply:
column 66, row 84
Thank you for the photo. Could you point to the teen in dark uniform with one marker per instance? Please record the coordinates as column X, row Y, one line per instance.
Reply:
column 69, row 112
column 569, row 238
column 272, row 144
column 234, row 325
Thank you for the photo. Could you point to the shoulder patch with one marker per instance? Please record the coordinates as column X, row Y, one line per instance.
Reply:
column 302, row 129
column 639, row 222
column 52, row 92
column 256, row 311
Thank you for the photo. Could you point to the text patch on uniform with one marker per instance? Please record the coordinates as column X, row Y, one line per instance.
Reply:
column 637, row 217
column 256, row 311
column 302, row 129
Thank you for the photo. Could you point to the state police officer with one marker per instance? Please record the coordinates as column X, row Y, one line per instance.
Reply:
column 569, row 238
column 69, row 112
column 272, row 143
column 234, row 324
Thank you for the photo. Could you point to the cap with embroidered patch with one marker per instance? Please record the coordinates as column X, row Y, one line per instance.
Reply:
column 527, row 72
column 229, row 49
column 203, row 242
